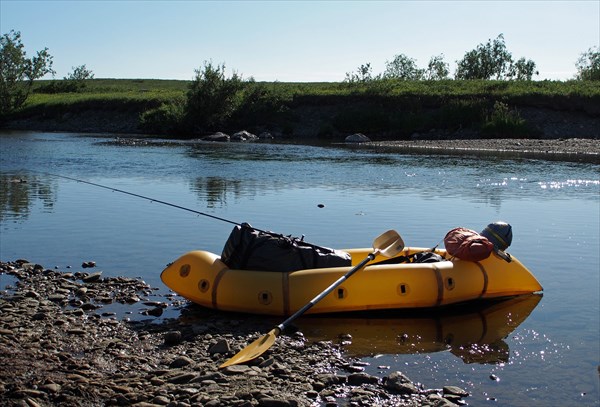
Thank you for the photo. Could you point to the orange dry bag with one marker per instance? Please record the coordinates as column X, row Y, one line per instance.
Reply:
column 466, row 244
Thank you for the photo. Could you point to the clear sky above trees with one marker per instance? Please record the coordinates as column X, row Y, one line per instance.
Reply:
column 295, row 41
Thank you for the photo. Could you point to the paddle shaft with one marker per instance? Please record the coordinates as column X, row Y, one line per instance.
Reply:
column 388, row 244
column 324, row 293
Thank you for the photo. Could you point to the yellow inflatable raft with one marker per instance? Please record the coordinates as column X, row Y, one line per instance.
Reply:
column 202, row 278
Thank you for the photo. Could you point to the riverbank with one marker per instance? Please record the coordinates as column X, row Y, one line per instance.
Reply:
column 60, row 345
column 385, row 111
column 568, row 136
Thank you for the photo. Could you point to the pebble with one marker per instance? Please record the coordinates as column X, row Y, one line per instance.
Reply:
column 56, row 350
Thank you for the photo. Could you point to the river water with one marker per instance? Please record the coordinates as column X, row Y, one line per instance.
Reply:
column 538, row 351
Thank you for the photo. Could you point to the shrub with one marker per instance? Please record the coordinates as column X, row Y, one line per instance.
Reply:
column 504, row 122
column 258, row 104
column 212, row 98
column 166, row 119
column 461, row 113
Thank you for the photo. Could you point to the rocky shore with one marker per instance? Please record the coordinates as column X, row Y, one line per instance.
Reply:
column 60, row 344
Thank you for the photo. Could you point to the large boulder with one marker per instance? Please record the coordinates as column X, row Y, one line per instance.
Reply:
column 218, row 136
column 244, row 136
column 357, row 138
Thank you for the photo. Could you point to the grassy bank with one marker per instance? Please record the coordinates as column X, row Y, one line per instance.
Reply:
column 386, row 109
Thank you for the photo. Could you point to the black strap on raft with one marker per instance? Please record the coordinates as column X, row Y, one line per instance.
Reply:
column 174, row 206
column 427, row 256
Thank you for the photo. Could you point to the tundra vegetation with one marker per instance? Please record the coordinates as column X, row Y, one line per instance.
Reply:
column 485, row 95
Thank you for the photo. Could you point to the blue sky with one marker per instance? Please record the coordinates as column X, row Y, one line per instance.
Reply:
column 295, row 40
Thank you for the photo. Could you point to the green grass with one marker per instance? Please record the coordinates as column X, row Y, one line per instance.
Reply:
column 105, row 94
column 126, row 85
column 154, row 90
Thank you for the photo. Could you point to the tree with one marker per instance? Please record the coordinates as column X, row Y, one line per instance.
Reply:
column 403, row 68
column 588, row 65
column 522, row 70
column 79, row 74
column 212, row 98
column 17, row 72
column 437, row 69
column 487, row 61
column 75, row 80
column 362, row 75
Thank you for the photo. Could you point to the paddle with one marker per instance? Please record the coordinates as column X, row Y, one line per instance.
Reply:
column 388, row 244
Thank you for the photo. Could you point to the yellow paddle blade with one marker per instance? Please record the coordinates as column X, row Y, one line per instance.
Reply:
column 254, row 350
column 389, row 244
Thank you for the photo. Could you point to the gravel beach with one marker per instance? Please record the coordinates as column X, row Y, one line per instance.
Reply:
column 60, row 345
column 563, row 149
column 560, row 149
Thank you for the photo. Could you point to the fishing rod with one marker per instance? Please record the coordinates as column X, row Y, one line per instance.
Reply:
column 179, row 207
column 148, row 198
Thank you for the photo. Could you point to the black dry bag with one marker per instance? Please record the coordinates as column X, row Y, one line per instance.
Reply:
column 251, row 249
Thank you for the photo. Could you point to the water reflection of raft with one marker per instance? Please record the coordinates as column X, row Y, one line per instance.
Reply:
column 473, row 333
column 203, row 278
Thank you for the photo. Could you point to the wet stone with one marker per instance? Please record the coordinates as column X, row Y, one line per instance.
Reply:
column 161, row 400
column 132, row 299
column 51, row 387
column 221, row 346
column 155, row 312
column 172, row 338
column 81, row 291
column 454, row 390
column 38, row 316
column 92, row 278
column 400, row 383
column 88, row 306
column 236, row 369
column 362, row 378
column 181, row 362
column 182, row 378
column 57, row 297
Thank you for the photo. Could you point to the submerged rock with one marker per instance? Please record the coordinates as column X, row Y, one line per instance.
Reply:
column 244, row 136
column 218, row 136
column 357, row 138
